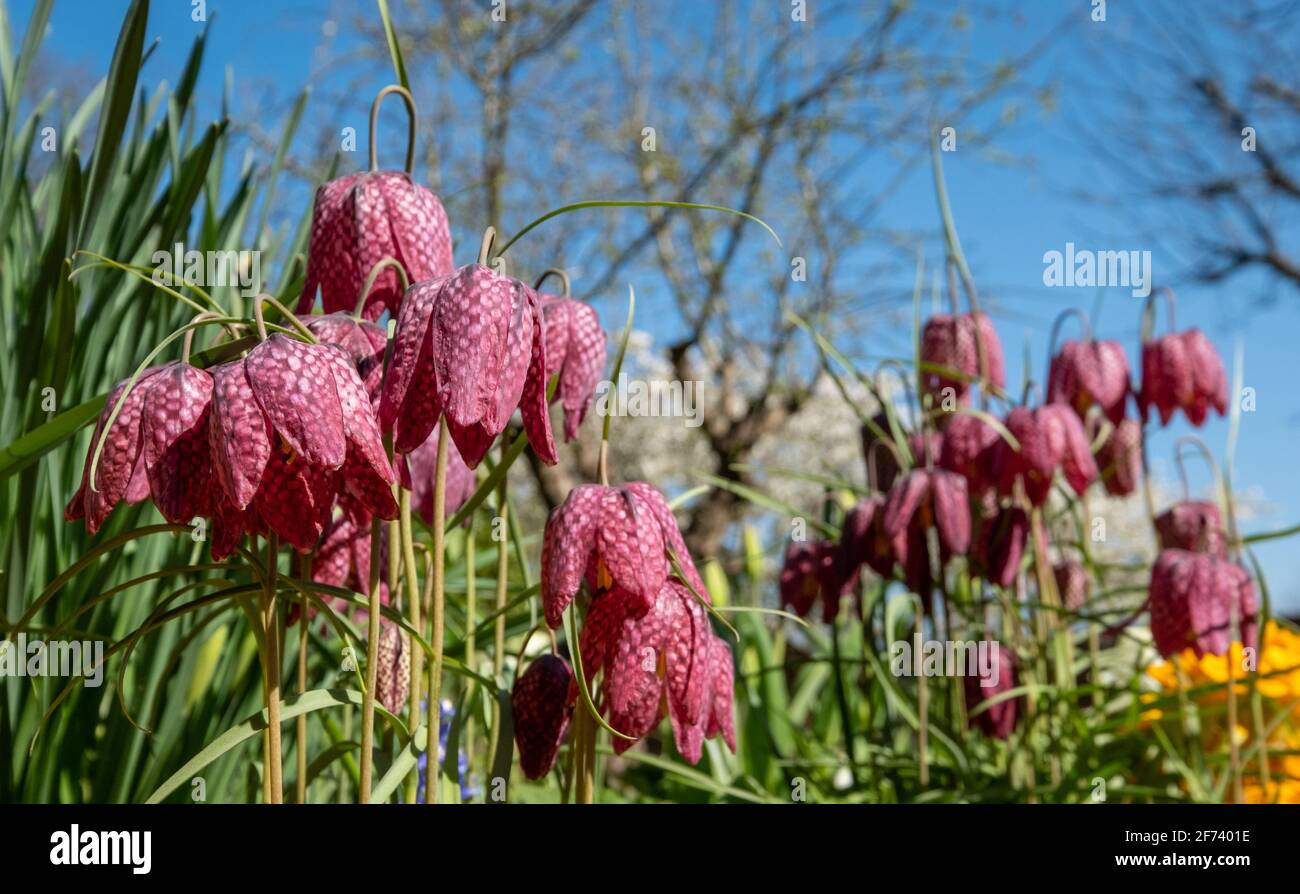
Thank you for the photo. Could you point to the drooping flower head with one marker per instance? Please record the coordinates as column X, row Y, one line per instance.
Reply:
column 998, row 720
column 968, row 449
column 920, row 500
column 363, row 218
column 948, row 345
column 863, row 540
column 469, row 347
column 1049, row 437
column 1193, row 597
column 999, row 545
column 364, row 343
column 291, row 426
column 1084, row 373
column 1182, row 371
column 611, row 537
column 811, row 569
column 1071, row 584
column 1192, row 525
column 1120, row 458
column 541, row 707
column 665, row 660
column 576, row 352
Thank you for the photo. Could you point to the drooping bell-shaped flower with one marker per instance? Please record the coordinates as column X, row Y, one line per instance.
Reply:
column 1120, row 458
column 1192, row 525
column 948, row 345
column 1050, row 437
column 174, row 436
column 968, row 450
column 291, row 425
column 1071, row 584
column 611, row 537
column 998, row 720
column 576, row 352
column 470, row 347
column 393, row 682
column 863, row 540
column 811, row 569
column 359, row 220
column 121, row 473
column 1084, row 373
column 1193, row 597
column 1000, row 545
column 541, row 707
column 417, row 469
column 363, row 342
column 667, row 657
column 919, row 501
column 1182, row 371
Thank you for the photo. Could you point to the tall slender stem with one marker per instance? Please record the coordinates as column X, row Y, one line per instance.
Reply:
column 270, row 625
column 417, row 623
column 304, row 573
column 436, row 612
column 372, row 665
column 499, row 627
column 471, row 621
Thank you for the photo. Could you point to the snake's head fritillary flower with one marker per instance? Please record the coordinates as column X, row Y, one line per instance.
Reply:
column 1050, row 437
column 1192, row 525
column 290, row 423
column 1071, row 584
column 925, row 498
column 121, row 473
column 541, row 707
column 174, row 435
column 1084, row 373
column 667, row 656
column 948, row 343
column 576, row 352
column 359, row 220
column 968, row 449
column 393, row 682
column 416, row 471
column 1182, row 371
column 364, row 343
column 612, row 537
column 813, row 568
column 1193, row 597
column 1000, row 545
column 470, row 347
column 1120, row 458
column 863, row 540
column 999, row 720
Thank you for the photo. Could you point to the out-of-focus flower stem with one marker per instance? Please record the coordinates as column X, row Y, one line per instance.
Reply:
column 414, row 614
column 372, row 664
column 304, row 574
column 270, row 626
column 435, row 583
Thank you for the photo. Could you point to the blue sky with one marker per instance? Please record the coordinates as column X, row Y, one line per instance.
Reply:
column 1008, row 214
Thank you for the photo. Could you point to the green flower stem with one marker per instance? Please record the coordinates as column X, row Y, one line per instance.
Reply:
column 304, row 573
column 372, row 666
column 499, row 630
column 471, row 619
column 435, row 582
column 270, row 623
column 411, row 577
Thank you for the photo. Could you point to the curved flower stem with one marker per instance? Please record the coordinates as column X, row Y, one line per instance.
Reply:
column 413, row 606
column 304, row 573
column 372, row 665
column 410, row 125
column 435, row 583
column 1068, row 313
column 1200, row 446
column 270, row 624
column 188, row 341
column 373, row 275
column 485, row 245
column 563, row 276
column 289, row 315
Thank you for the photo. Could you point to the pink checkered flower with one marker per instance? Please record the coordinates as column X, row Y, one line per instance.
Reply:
column 471, row 348
column 1193, row 597
column 1050, row 437
column 948, row 345
column 611, row 537
column 364, row 343
column 541, row 706
column 1182, row 371
column 1084, row 373
column 1192, row 525
column 575, row 351
column 359, row 220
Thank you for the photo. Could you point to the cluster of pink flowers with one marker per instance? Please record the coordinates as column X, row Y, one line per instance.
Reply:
column 289, row 440
column 973, row 487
